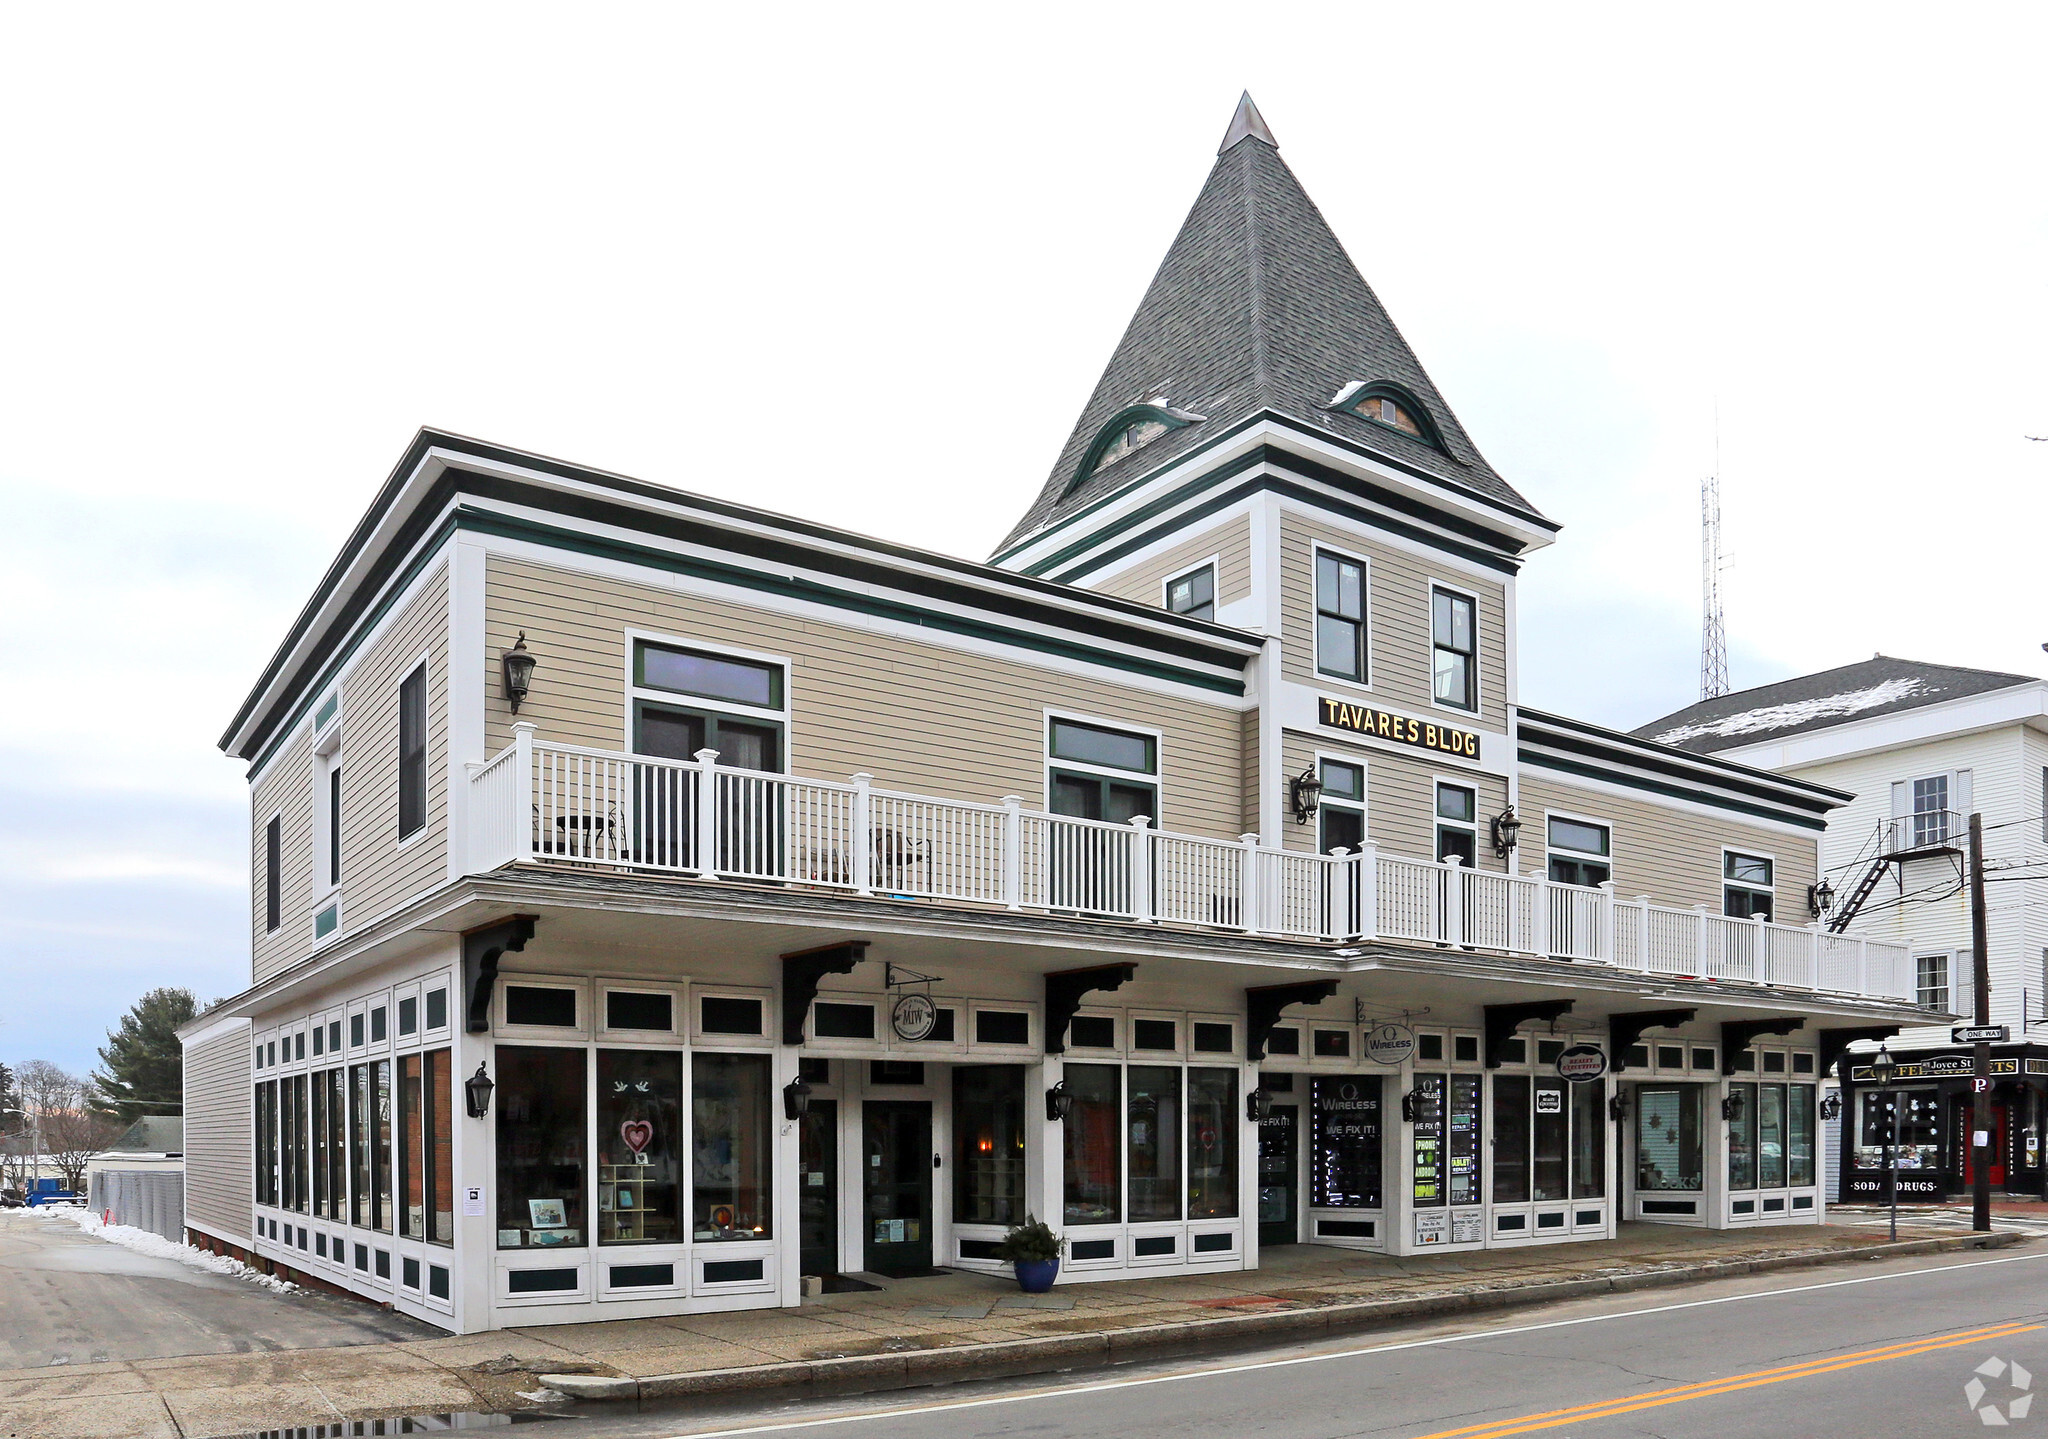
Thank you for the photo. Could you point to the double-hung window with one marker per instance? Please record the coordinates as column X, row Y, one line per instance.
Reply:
column 412, row 752
column 1341, row 815
column 1579, row 851
column 1928, row 822
column 1454, row 649
column 1193, row 594
column 1457, row 823
column 1746, row 885
column 273, row 874
column 1340, row 617
column 1096, row 772
column 1931, row 982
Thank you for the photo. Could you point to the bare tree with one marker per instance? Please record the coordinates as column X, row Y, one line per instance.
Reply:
column 72, row 1136
column 61, row 1125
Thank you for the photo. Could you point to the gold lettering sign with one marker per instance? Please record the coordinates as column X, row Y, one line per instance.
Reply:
column 1363, row 719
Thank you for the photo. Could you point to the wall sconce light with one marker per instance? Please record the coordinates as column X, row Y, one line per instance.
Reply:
column 1507, row 830
column 1411, row 1106
column 1617, row 1107
column 1258, row 1105
column 1820, row 898
column 796, row 1098
column 1058, row 1103
column 1731, row 1108
column 1305, row 795
column 517, row 664
column 1831, row 1107
column 476, row 1093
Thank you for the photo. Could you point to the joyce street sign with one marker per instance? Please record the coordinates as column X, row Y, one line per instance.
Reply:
column 1979, row 1034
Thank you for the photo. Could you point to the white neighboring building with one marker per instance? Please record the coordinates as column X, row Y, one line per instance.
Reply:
column 1921, row 746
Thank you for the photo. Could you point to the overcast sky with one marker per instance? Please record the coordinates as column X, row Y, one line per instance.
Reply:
column 865, row 263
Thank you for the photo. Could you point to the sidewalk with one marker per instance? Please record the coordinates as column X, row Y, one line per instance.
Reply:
column 916, row 1331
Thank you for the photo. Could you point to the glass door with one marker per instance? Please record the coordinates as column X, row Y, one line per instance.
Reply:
column 897, row 1136
column 1279, row 1175
column 1670, row 1154
column 818, row 1188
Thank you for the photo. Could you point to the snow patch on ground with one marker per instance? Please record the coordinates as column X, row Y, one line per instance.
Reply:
column 158, row 1247
column 1798, row 712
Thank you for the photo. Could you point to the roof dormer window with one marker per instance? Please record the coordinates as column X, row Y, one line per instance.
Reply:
column 1389, row 405
column 1127, row 431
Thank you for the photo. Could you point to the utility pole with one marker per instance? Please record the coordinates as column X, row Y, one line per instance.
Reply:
column 1980, row 1117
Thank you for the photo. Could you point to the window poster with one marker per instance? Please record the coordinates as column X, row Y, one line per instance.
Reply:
column 1345, row 1133
column 1432, row 1226
column 1427, row 1137
column 1463, row 1141
column 1468, row 1226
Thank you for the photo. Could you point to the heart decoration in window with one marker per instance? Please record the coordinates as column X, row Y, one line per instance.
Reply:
column 637, row 1133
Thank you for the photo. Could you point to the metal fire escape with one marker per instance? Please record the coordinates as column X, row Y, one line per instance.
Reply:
column 1924, row 834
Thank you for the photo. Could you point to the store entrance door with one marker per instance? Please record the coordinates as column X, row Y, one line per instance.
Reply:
column 1964, row 1119
column 1280, row 1175
column 897, row 1174
column 817, row 1199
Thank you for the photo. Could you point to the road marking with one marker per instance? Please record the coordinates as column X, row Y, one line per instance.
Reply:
column 1218, row 1371
column 1708, row 1388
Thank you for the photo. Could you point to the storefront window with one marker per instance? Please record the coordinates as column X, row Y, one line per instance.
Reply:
column 266, row 1143
column 1463, row 1142
column 1212, row 1144
column 412, row 1159
column 1742, row 1137
column 1799, row 1137
column 380, row 1155
column 1345, row 1140
column 359, row 1143
column 1770, row 1136
column 1155, row 1119
column 731, row 1134
column 1589, row 1141
column 295, row 1142
column 1919, row 1128
column 540, row 1109
column 1510, row 1139
column 639, row 1146
column 1548, row 1130
column 988, row 1122
column 1668, row 1148
column 438, row 1093
column 1426, row 1140
column 1094, row 1193
column 319, row 1130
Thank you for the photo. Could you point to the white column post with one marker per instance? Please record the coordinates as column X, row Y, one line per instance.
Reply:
column 863, row 836
column 1254, row 914
column 1454, row 903
column 707, row 814
column 522, row 790
column 1539, row 915
column 1339, row 873
column 1813, row 949
column 1141, row 869
column 1863, row 966
column 1368, row 876
column 1760, row 969
column 1699, row 930
column 1013, row 851
column 1604, row 944
column 1643, row 933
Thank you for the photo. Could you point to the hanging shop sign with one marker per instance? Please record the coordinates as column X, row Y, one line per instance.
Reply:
column 1937, row 1066
column 913, row 1016
column 1582, row 1063
column 1390, row 1044
column 1419, row 734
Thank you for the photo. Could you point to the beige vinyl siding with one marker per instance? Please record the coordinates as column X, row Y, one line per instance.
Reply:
column 1255, row 778
column 1400, row 798
column 1145, row 582
column 286, row 787
column 1399, row 620
column 377, row 872
column 1671, row 855
column 219, row 1138
column 918, row 717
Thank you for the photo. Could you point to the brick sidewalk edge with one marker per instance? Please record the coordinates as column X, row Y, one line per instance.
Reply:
column 1010, row 1358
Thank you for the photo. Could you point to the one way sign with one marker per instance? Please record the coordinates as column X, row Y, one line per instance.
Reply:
column 1979, row 1034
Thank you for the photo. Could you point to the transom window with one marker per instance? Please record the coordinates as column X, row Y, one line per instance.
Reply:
column 707, row 676
column 1579, row 852
column 1079, row 752
column 1341, row 814
column 1098, row 744
column 1454, row 650
column 1457, row 817
column 1340, row 617
column 1193, row 594
column 1746, row 891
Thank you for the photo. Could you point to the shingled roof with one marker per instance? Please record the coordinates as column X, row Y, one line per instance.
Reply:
column 1258, row 308
column 1876, row 686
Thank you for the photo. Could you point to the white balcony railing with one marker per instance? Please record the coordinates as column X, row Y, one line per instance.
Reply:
column 547, row 802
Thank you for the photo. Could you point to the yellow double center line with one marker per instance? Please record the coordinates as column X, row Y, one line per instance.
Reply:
column 1706, row 1389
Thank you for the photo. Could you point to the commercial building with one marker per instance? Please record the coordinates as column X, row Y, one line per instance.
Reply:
column 657, row 899
column 1922, row 746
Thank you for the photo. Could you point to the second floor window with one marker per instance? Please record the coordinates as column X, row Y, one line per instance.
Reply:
column 677, row 731
column 1746, row 888
column 1579, row 852
column 1930, row 975
column 273, row 874
column 1930, row 810
column 1341, row 814
column 412, row 753
column 1340, row 617
column 1096, row 772
column 1193, row 594
column 1454, row 650
column 1457, row 823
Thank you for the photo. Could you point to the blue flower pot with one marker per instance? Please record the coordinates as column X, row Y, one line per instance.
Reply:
column 1035, row 1276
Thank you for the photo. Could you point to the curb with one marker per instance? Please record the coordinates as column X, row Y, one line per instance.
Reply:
column 1010, row 1358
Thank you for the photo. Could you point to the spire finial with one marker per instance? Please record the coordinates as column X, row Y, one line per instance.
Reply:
column 1246, row 124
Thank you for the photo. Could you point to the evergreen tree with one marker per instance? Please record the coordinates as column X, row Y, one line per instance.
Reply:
column 9, row 1100
column 142, row 1064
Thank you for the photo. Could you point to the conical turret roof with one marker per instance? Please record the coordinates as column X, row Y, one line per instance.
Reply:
column 1257, row 307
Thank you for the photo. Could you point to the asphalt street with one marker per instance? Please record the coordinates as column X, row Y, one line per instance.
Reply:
column 68, row 1298
column 1889, row 1353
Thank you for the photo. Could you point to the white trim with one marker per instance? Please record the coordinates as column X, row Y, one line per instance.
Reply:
column 1616, row 790
column 1945, row 719
column 215, row 1030
column 1478, row 649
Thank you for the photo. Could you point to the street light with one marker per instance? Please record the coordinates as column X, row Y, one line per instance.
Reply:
column 1884, row 1069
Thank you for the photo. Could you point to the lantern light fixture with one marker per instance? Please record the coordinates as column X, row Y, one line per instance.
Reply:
column 517, row 664
column 476, row 1093
column 1507, row 831
column 1617, row 1107
column 1305, row 795
column 796, row 1098
column 1058, row 1103
column 1831, row 1107
column 1258, row 1105
column 1731, row 1108
column 1820, row 898
column 1884, row 1069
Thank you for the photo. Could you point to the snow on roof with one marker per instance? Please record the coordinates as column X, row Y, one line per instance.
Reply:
column 1797, row 712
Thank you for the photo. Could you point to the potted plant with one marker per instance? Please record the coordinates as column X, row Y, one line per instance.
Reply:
column 1035, row 1251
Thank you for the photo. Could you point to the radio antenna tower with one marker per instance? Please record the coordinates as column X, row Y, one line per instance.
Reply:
column 1713, row 633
